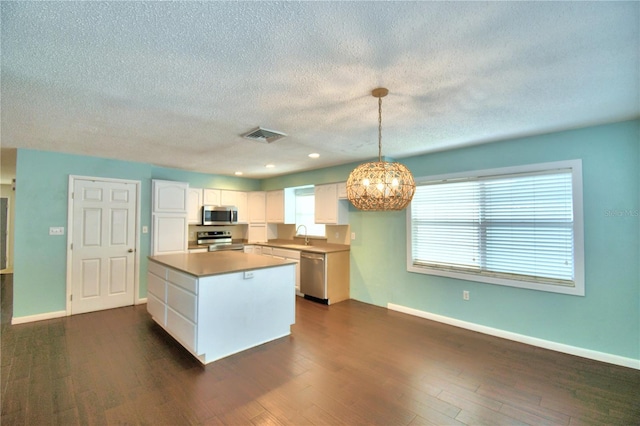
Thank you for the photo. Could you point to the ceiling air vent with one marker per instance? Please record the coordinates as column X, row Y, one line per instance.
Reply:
column 264, row 135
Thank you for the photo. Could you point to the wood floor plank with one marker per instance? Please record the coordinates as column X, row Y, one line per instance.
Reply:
column 349, row 363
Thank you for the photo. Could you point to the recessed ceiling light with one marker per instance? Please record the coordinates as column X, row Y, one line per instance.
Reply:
column 314, row 155
column 238, row 173
column 270, row 166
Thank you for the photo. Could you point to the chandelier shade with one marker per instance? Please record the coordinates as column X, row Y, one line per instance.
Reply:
column 380, row 185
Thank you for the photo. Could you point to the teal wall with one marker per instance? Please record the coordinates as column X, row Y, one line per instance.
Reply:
column 606, row 319
column 41, row 202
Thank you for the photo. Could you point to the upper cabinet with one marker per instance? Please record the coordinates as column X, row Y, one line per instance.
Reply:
column 194, row 212
column 256, row 201
column 275, row 206
column 211, row 197
column 170, row 196
column 328, row 208
column 281, row 206
column 238, row 199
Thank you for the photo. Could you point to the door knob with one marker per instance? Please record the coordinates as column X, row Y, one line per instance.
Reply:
column 130, row 250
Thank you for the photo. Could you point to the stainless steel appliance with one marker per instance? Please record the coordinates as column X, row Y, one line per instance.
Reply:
column 219, row 215
column 312, row 276
column 218, row 240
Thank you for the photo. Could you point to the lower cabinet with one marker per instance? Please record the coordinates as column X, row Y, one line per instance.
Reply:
column 290, row 255
column 219, row 315
column 172, row 302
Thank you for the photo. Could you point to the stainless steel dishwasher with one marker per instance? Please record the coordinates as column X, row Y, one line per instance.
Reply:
column 312, row 276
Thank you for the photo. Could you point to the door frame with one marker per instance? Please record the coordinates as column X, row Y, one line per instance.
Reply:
column 136, row 271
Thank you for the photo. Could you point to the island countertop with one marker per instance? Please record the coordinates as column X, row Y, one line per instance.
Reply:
column 217, row 262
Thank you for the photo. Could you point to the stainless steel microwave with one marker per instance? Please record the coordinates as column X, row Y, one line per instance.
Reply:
column 219, row 215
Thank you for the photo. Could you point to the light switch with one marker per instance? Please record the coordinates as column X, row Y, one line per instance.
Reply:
column 56, row 230
column 145, row 229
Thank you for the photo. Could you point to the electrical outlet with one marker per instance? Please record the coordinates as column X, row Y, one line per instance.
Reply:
column 465, row 295
column 353, row 235
column 248, row 275
column 56, row 230
column 337, row 235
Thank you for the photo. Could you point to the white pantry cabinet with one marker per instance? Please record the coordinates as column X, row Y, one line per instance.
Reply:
column 169, row 196
column 169, row 217
column 328, row 208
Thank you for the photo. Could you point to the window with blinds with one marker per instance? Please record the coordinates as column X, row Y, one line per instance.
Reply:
column 518, row 226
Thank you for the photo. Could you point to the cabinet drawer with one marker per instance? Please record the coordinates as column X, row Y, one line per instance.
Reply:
column 182, row 329
column 157, row 309
column 185, row 281
column 157, row 269
column 287, row 254
column 156, row 286
column 182, row 301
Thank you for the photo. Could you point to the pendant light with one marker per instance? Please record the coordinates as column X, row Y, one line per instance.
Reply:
column 380, row 185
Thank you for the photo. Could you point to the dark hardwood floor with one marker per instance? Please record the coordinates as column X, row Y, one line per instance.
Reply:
column 349, row 363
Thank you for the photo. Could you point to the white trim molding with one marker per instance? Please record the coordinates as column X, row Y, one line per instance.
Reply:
column 533, row 341
column 141, row 301
column 38, row 317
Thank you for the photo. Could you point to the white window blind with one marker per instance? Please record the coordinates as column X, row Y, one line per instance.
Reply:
column 517, row 226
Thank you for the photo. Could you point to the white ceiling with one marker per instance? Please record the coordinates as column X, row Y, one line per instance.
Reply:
column 176, row 83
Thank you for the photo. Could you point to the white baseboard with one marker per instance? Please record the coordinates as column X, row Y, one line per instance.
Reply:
column 141, row 301
column 546, row 344
column 38, row 317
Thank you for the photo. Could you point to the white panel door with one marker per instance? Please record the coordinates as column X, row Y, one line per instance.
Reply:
column 103, row 251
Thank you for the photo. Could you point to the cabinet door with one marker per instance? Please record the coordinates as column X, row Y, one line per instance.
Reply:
column 169, row 196
column 211, row 197
column 257, row 233
column 326, row 203
column 328, row 208
column 238, row 199
column 256, row 201
column 195, row 206
column 169, row 233
column 275, row 206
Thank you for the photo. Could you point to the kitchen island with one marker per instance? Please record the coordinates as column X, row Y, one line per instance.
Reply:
column 220, row 303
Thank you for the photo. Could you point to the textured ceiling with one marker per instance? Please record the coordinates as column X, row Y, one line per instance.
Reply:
column 176, row 83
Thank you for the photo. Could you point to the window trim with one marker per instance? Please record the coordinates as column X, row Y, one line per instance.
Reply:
column 578, row 289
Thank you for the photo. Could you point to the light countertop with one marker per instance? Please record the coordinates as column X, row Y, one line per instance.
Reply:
column 289, row 244
column 217, row 262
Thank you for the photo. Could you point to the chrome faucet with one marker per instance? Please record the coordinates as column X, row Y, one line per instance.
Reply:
column 306, row 239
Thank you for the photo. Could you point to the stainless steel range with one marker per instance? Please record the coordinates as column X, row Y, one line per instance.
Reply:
column 218, row 240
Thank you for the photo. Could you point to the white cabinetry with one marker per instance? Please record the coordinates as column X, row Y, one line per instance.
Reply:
column 169, row 196
column 194, row 203
column 275, row 206
column 169, row 217
column 238, row 199
column 212, row 317
column 281, row 206
column 328, row 208
column 290, row 255
column 257, row 233
column 256, row 201
column 211, row 197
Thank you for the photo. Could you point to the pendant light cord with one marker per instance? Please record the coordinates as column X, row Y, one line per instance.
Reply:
column 379, row 130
